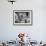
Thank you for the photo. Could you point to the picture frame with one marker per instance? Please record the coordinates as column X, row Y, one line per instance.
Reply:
column 22, row 17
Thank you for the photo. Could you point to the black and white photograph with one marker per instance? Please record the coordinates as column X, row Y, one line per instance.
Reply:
column 22, row 16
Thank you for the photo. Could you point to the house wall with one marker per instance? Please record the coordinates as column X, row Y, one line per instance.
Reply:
column 37, row 31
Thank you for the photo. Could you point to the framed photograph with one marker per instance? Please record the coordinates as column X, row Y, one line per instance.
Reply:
column 22, row 17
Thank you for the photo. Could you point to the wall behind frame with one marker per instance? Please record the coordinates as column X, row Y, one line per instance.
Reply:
column 37, row 30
